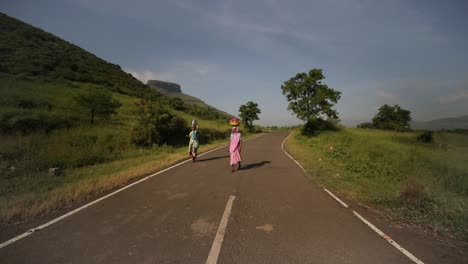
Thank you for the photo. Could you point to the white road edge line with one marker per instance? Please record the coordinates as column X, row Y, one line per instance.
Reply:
column 31, row 231
column 390, row 240
column 330, row 193
column 336, row 198
column 218, row 241
column 282, row 147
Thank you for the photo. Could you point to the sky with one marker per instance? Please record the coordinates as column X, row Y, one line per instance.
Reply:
column 413, row 53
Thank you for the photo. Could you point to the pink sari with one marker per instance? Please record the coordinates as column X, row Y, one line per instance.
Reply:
column 234, row 148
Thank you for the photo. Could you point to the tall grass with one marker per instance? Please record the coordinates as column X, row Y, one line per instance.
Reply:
column 413, row 182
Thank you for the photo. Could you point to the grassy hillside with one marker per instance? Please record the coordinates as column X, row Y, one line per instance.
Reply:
column 30, row 52
column 409, row 181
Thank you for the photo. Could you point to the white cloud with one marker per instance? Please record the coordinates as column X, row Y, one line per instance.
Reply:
column 461, row 95
column 195, row 78
column 181, row 71
column 385, row 95
column 144, row 75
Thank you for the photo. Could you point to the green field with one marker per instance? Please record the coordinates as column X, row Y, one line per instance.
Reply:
column 423, row 184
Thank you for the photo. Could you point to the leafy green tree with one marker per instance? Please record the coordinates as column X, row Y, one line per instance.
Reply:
column 99, row 103
column 392, row 118
column 248, row 113
column 309, row 98
column 177, row 103
column 153, row 125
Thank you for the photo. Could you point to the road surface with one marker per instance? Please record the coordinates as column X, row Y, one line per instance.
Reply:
column 276, row 215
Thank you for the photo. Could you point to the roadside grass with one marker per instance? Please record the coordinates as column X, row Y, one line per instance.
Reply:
column 408, row 181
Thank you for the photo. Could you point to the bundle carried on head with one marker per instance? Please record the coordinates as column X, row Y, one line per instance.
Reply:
column 234, row 121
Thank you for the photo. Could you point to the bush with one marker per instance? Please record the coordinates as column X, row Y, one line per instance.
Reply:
column 153, row 125
column 178, row 129
column 158, row 126
column 208, row 113
column 426, row 137
column 27, row 122
column 177, row 104
column 209, row 135
column 316, row 126
column 365, row 125
column 258, row 130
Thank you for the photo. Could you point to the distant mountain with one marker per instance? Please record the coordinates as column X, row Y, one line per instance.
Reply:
column 166, row 87
column 443, row 123
column 29, row 52
column 173, row 90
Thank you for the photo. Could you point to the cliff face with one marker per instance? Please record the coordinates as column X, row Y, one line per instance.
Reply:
column 167, row 86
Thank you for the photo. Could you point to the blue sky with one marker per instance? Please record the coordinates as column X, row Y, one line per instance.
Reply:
column 413, row 53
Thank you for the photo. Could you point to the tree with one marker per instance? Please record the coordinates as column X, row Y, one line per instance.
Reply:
column 392, row 118
column 177, row 103
column 153, row 124
column 248, row 113
column 98, row 102
column 309, row 98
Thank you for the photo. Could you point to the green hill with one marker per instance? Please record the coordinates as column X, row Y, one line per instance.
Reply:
column 28, row 52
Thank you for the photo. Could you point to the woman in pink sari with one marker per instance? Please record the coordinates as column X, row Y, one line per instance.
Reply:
column 235, row 148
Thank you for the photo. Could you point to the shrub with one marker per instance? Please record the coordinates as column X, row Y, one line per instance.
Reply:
column 177, row 104
column 426, row 137
column 178, row 128
column 152, row 128
column 316, row 126
column 365, row 125
column 209, row 135
column 207, row 113
column 27, row 122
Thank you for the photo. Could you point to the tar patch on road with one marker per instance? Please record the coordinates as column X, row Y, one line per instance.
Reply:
column 201, row 227
column 267, row 228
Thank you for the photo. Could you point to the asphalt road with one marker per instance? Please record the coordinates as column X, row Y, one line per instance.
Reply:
column 278, row 216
